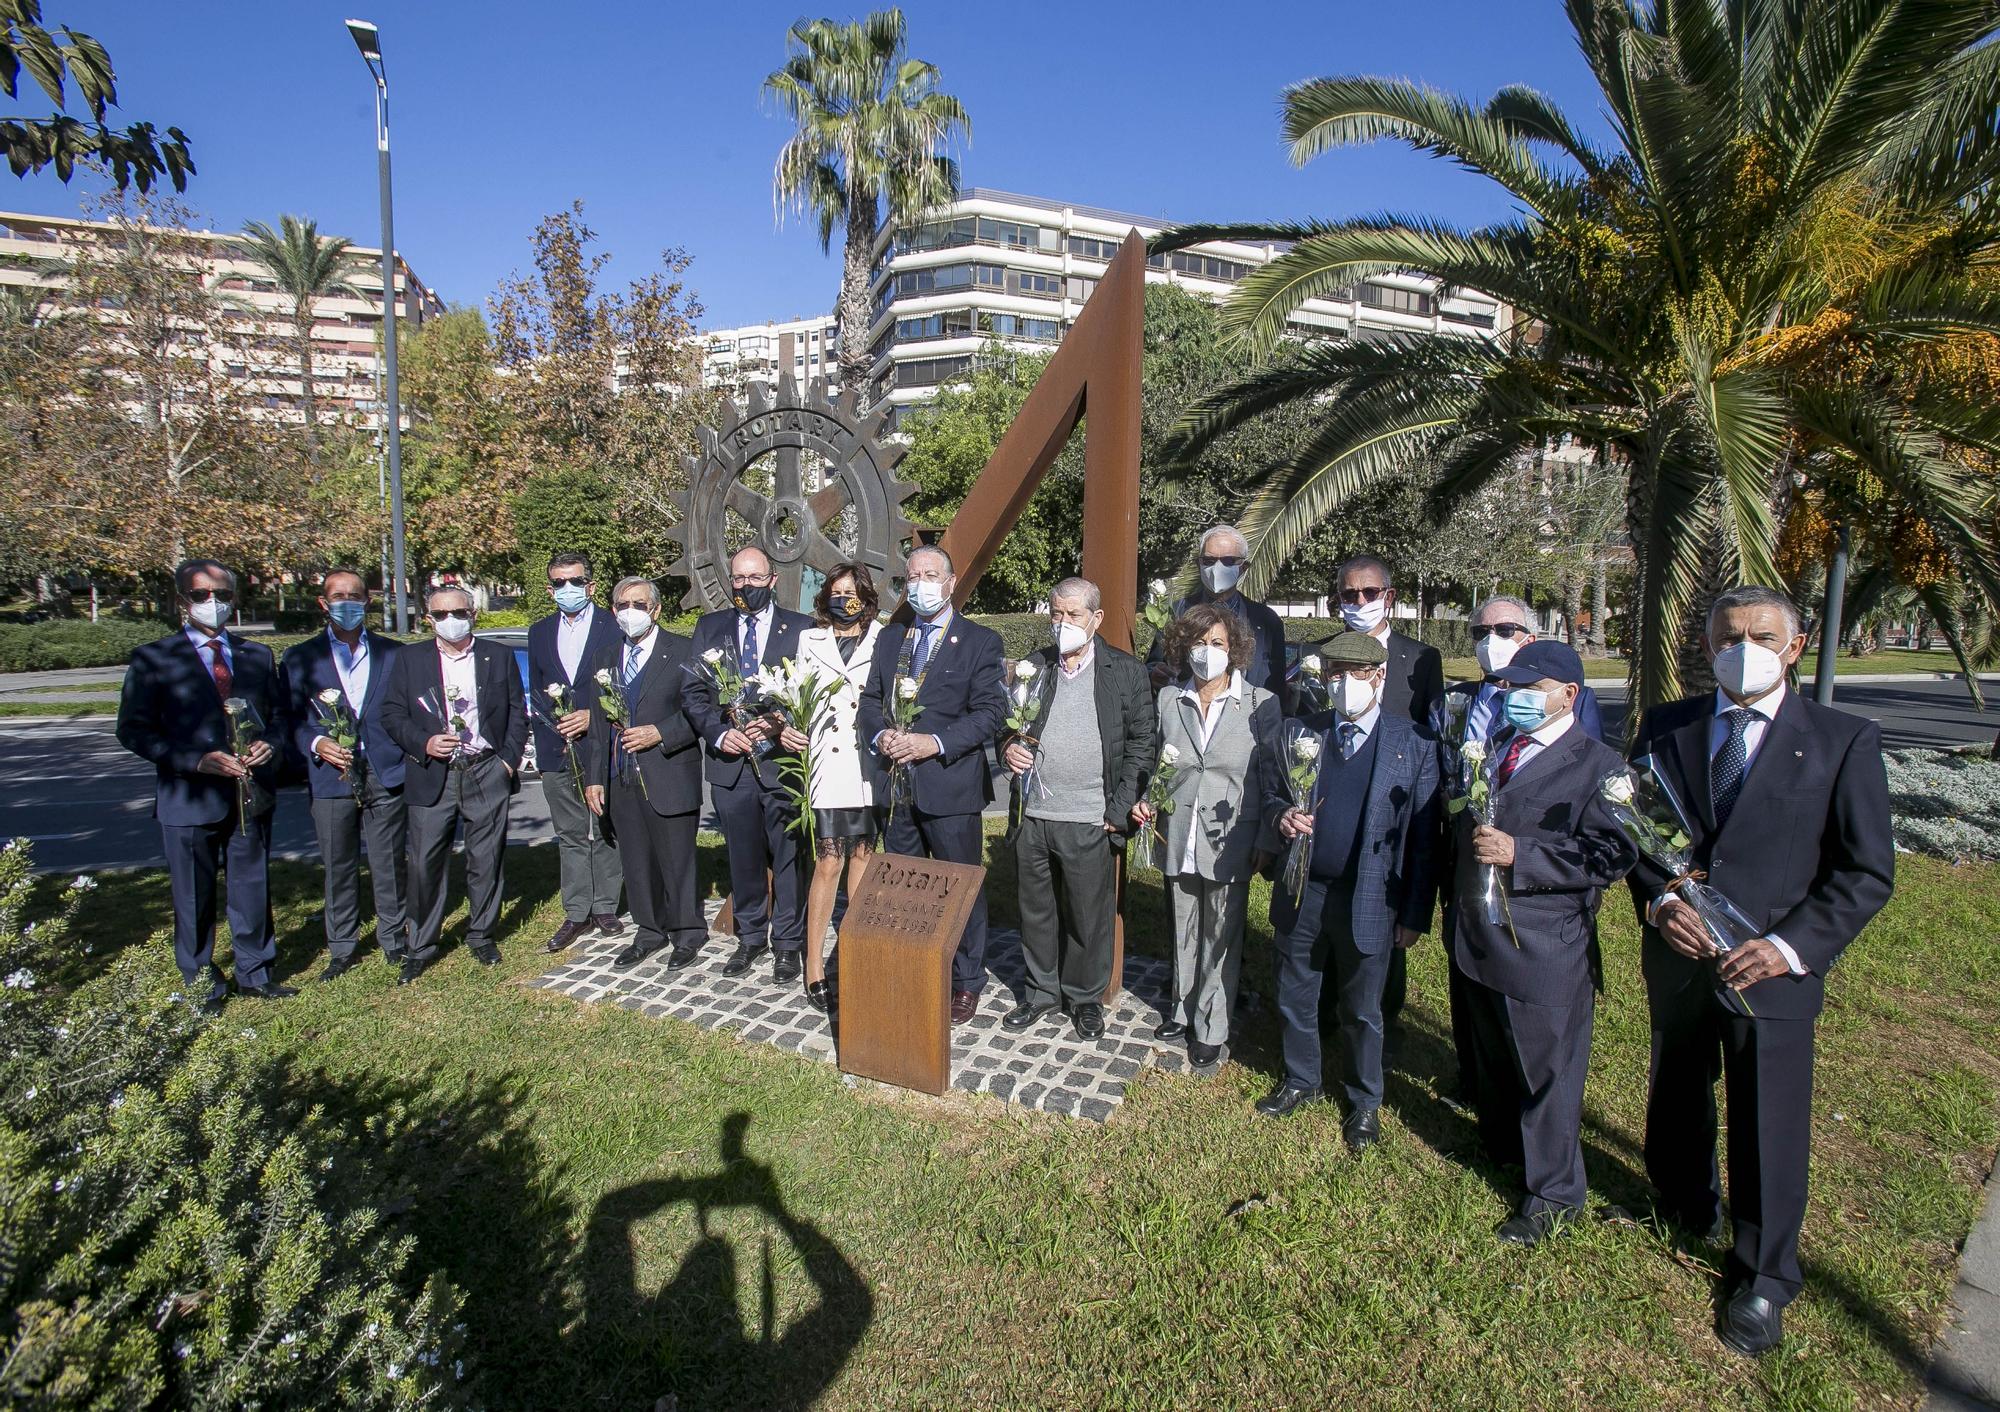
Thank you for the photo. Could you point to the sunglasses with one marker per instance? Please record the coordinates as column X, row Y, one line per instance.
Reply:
column 573, row 581
column 1361, row 595
column 1507, row 630
column 1230, row 560
column 220, row 595
column 463, row 614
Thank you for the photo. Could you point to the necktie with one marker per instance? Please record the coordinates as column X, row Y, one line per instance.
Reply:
column 747, row 660
column 1350, row 736
column 225, row 680
column 1725, row 771
column 631, row 662
column 1511, row 761
column 925, row 631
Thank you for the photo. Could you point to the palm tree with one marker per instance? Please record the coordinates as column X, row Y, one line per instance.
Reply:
column 871, row 122
column 307, row 269
column 1692, row 303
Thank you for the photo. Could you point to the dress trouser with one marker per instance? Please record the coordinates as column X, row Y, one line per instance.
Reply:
column 1395, row 987
column 949, row 838
column 1767, row 1070
column 589, row 862
column 764, row 891
column 1068, row 876
column 195, row 854
column 1304, row 961
column 1462, row 1042
column 475, row 795
column 1533, row 1060
column 1208, row 952
column 375, row 815
column 657, row 856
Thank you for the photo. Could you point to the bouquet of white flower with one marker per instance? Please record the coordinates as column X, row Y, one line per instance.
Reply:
column 1024, row 710
column 336, row 723
column 1476, row 769
column 806, row 700
column 1160, row 794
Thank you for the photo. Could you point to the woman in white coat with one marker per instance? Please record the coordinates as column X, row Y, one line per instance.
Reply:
column 845, row 791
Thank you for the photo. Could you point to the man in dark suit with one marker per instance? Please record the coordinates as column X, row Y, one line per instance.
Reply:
column 1371, row 830
column 645, row 777
column 559, row 646
column 175, row 710
column 1098, row 738
column 357, row 792
column 1530, row 978
column 945, row 781
column 1222, row 559
column 456, row 709
column 1789, row 808
column 752, row 810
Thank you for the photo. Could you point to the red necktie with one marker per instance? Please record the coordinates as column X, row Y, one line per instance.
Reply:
column 1511, row 761
column 219, row 669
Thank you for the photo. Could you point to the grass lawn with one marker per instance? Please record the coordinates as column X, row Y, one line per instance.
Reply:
column 636, row 1207
column 58, row 710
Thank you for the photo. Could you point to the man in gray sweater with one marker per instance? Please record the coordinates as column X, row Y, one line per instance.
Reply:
column 1091, row 747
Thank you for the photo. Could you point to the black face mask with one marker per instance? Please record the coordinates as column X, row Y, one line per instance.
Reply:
column 845, row 609
column 751, row 599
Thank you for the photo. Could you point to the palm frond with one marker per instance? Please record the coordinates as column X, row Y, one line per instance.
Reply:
column 1672, row 549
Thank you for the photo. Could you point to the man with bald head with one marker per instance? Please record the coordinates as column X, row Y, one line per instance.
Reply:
column 751, row 807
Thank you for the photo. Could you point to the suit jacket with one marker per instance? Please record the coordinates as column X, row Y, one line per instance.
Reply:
column 1589, row 719
column 1218, row 789
column 1808, row 852
column 1127, row 727
column 1395, row 880
column 847, row 773
column 545, row 666
column 309, row 669
column 169, row 713
column 503, row 720
column 1415, row 680
column 962, row 701
column 1267, row 666
column 1567, row 850
column 718, row 630
column 671, row 769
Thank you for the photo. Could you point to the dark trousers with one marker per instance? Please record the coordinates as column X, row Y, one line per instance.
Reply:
column 949, row 838
column 587, row 859
column 376, row 816
column 195, row 854
column 765, row 897
column 1350, row 1007
column 1396, row 986
column 1767, row 1070
column 656, row 852
column 476, row 796
column 1462, row 1043
column 1068, row 876
column 1533, row 1060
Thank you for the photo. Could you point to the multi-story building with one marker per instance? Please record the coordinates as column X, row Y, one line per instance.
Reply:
column 734, row 356
column 262, row 352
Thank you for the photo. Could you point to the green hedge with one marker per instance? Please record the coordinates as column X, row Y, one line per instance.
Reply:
column 66, row 644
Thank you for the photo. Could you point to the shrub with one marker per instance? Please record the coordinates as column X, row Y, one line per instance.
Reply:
column 510, row 617
column 170, row 1233
column 67, row 644
column 1945, row 803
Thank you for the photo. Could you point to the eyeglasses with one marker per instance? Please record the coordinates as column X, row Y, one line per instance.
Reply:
column 220, row 595
column 462, row 614
column 1229, row 560
column 641, row 604
column 573, row 581
column 1506, row 630
column 751, row 580
column 1362, row 595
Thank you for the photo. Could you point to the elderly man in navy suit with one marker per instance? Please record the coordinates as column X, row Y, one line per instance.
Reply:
column 766, row 889
column 357, row 791
column 1372, row 830
column 559, row 646
column 176, row 710
column 1789, row 809
column 962, row 704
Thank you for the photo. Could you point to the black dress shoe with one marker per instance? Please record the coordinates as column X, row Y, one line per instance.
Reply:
column 682, row 957
column 1285, row 1099
column 1204, row 1056
column 607, row 923
column 566, row 936
column 1089, row 1020
column 395, row 957
column 212, row 1006
column 336, row 968
column 633, row 954
column 1361, row 1131
column 1169, row 1029
column 787, row 966
column 1751, row 1324
column 270, row 990
column 411, row 969
column 1022, row 1016
column 819, row 995
column 741, row 961
column 486, row 954
column 1525, row 1230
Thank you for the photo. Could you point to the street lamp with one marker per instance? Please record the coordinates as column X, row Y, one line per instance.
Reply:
column 368, row 40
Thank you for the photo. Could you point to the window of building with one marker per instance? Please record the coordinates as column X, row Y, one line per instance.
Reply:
column 1091, row 248
column 1402, row 301
column 1081, row 289
column 929, row 372
column 1033, row 283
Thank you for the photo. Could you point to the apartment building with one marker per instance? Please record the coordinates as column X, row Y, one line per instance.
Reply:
column 733, row 356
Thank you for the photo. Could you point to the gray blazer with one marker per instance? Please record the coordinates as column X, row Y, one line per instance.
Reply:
column 1216, row 789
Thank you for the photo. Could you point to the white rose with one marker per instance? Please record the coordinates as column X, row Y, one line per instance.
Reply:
column 1024, row 670
column 907, row 688
column 554, row 690
column 1310, row 663
column 1618, row 788
column 235, row 706
column 331, row 696
column 712, row 656
column 1306, row 748
column 1158, row 588
column 1170, row 754
column 604, row 676
column 1472, row 752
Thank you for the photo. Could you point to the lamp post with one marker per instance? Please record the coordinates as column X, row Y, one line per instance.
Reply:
column 369, row 41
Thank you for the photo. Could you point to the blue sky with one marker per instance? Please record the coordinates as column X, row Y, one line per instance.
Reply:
column 652, row 114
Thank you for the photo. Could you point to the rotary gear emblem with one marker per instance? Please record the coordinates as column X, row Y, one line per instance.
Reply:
column 805, row 477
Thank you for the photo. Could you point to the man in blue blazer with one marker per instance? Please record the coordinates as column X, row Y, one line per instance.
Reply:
column 961, row 702
column 175, row 711
column 1789, row 807
column 357, row 794
column 1371, row 832
column 558, row 648
column 765, row 888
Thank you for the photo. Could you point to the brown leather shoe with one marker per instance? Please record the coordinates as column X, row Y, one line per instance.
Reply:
column 964, row 1005
column 566, row 936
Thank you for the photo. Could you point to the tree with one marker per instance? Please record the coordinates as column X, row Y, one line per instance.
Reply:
column 307, row 269
column 456, row 477
column 1680, row 307
column 136, row 156
column 570, row 509
column 870, row 125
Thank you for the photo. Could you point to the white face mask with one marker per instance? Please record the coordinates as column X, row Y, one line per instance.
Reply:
column 634, row 622
column 212, row 614
column 927, row 597
column 1746, row 670
column 452, row 629
column 1069, row 638
column 1495, row 651
column 1220, row 578
column 1352, row 696
column 1364, row 617
column 1208, row 662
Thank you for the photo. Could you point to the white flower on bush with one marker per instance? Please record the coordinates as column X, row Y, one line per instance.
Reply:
column 1617, row 788
column 82, row 882
column 1305, row 748
column 23, row 979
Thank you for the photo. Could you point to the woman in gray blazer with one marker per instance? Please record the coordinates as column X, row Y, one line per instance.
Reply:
column 1218, row 727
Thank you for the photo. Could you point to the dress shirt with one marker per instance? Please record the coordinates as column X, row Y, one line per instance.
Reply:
column 572, row 636
column 353, row 666
column 1766, row 709
column 1485, row 712
column 1364, row 727
column 1209, row 716
column 201, row 640
column 1089, row 651
column 938, row 626
column 1540, row 739
column 461, row 680
column 645, row 645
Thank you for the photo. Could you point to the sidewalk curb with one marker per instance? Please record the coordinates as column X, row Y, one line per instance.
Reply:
column 1965, row 1364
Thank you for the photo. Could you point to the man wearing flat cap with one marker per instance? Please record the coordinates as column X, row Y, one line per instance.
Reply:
column 1370, row 826
column 1530, row 977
